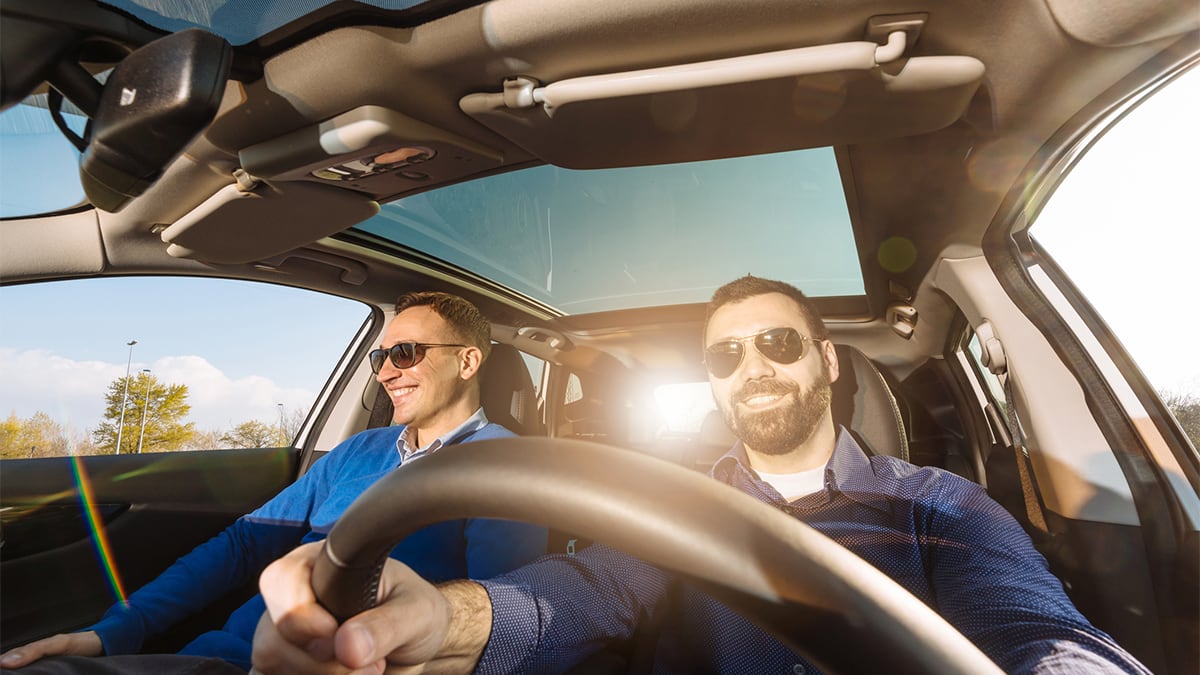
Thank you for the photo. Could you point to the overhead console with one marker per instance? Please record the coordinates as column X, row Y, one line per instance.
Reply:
column 370, row 149
column 834, row 94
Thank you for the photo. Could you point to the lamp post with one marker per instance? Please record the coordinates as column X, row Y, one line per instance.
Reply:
column 125, row 397
column 145, row 406
column 281, row 430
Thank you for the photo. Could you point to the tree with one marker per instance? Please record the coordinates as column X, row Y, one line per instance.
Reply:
column 1186, row 409
column 292, row 421
column 204, row 440
column 38, row 436
column 252, row 434
column 163, row 406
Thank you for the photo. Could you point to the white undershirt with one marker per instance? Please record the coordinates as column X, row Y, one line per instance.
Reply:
column 792, row 486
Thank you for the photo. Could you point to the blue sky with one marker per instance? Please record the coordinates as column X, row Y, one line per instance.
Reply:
column 241, row 347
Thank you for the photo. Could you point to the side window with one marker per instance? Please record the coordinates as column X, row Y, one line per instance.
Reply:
column 989, row 391
column 1122, row 227
column 574, row 389
column 158, row 364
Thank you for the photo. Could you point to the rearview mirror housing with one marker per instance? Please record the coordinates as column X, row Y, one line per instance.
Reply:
column 154, row 103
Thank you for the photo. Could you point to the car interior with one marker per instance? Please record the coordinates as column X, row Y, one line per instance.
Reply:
column 587, row 172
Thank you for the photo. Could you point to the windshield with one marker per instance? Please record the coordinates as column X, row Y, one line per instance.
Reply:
column 39, row 168
column 590, row 241
column 238, row 21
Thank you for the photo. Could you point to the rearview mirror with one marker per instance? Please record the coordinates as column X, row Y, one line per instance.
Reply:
column 154, row 103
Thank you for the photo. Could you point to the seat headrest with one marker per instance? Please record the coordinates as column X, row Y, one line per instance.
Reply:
column 863, row 402
column 506, row 392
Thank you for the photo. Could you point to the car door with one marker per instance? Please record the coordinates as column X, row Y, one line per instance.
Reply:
column 1078, row 358
column 143, row 415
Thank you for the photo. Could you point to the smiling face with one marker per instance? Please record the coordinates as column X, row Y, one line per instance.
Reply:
column 439, row 392
column 778, row 410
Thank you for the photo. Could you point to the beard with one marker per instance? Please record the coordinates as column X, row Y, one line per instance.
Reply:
column 781, row 430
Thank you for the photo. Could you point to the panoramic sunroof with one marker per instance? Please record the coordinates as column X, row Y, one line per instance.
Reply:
column 238, row 21
column 590, row 241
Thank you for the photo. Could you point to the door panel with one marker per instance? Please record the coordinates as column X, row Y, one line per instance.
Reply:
column 150, row 509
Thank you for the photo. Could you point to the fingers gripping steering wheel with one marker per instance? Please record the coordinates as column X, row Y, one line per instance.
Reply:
column 795, row 583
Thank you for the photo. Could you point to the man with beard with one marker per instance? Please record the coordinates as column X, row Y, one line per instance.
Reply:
column 770, row 364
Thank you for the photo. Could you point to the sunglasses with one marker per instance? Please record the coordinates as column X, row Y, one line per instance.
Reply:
column 781, row 345
column 403, row 354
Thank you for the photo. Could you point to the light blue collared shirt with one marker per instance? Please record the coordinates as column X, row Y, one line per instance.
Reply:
column 409, row 452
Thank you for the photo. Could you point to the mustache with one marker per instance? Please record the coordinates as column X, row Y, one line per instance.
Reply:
column 759, row 387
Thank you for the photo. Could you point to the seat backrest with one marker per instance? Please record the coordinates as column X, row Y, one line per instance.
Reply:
column 507, row 394
column 505, row 391
column 863, row 402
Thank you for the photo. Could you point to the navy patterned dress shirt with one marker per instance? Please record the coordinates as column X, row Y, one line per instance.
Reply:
column 935, row 533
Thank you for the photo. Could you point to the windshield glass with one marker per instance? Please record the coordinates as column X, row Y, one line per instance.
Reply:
column 238, row 21
column 39, row 168
column 590, row 241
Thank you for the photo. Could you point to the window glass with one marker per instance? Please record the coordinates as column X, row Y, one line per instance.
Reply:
column 537, row 371
column 238, row 21
column 194, row 363
column 1123, row 227
column 683, row 406
column 574, row 389
column 990, row 380
column 39, row 168
column 590, row 241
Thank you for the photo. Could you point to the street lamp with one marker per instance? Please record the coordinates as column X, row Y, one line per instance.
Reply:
column 281, row 430
column 145, row 406
column 125, row 398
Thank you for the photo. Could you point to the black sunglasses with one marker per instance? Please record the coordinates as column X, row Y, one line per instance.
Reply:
column 781, row 345
column 403, row 354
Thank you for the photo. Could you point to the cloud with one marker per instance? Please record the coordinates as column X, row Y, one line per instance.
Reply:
column 72, row 392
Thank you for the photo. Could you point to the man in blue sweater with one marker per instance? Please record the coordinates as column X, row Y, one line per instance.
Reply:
column 428, row 362
column 770, row 365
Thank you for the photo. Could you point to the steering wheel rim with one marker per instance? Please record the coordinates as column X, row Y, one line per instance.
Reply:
column 802, row 587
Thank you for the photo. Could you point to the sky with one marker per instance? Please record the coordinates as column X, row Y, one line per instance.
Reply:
column 243, row 348
column 1125, row 225
column 240, row 347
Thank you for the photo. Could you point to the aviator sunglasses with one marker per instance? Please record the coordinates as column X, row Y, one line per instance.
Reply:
column 781, row 345
column 403, row 354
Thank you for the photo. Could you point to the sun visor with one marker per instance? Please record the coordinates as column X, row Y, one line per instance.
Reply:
column 252, row 220
column 835, row 94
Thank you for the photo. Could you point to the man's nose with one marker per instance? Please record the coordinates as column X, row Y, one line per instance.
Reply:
column 755, row 365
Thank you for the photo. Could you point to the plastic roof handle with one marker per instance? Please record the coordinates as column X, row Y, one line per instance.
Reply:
column 789, row 579
column 521, row 92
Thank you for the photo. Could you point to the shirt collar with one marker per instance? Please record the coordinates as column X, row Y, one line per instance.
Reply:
column 409, row 452
column 848, row 471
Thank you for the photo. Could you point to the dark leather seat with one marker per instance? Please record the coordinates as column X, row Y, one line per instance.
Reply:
column 507, row 394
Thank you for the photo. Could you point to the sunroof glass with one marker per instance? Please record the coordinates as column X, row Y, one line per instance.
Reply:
column 588, row 241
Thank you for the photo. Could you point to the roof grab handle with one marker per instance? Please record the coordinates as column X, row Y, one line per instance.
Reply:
column 525, row 92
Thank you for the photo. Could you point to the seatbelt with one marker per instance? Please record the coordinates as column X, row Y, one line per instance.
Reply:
column 993, row 357
column 381, row 410
column 1033, row 507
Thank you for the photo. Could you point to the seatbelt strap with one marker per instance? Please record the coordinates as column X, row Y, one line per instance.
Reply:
column 1033, row 506
column 381, row 410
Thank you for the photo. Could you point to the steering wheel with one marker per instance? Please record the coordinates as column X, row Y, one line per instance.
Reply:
column 806, row 590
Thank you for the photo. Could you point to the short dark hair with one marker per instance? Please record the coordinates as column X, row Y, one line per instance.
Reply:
column 751, row 286
column 464, row 318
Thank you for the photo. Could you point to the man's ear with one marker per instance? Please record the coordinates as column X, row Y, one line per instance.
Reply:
column 469, row 361
column 829, row 353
